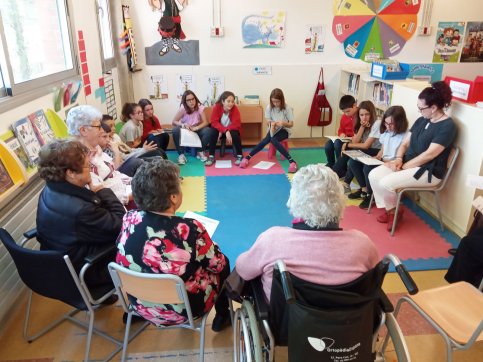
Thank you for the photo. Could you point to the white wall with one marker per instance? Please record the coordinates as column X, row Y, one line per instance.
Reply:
column 293, row 71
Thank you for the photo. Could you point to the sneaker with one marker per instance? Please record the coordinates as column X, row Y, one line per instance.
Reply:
column 182, row 159
column 244, row 163
column 293, row 167
column 383, row 218
column 201, row 156
column 210, row 161
column 239, row 159
column 364, row 205
column 358, row 194
column 220, row 322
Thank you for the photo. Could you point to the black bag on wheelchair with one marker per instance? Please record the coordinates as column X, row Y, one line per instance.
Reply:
column 328, row 323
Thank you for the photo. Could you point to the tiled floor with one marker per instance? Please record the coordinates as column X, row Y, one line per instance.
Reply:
column 66, row 342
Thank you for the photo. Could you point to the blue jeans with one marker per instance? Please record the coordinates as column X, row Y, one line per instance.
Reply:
column 332, row 151
column 203, row 133
column 361, row 173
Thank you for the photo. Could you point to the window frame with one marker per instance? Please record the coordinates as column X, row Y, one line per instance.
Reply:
column 17, row 94
column 107, row 63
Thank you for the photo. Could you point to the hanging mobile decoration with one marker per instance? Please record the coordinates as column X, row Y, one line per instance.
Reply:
column 128, row 45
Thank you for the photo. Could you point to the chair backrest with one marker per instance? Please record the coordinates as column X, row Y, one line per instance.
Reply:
column 347, row 314
column 44, row 272
column 452, row 157
column 153, row 288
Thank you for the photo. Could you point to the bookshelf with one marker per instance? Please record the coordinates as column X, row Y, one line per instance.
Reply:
column 12, row 173
column 359, row 83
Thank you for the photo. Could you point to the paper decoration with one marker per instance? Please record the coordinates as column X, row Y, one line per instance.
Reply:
column 449, row 38
column 216, row 86
column 264, row 30
column 185, row 82
column 83, row 62
column 315, row 39
column 374, row 29
column 158, row 87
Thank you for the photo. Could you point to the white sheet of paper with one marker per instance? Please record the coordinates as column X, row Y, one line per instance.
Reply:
column 264, row 165
column 474, row 181
column 371, row 161
column 354, row 153
column 209, row 224
column 223, row 164
column 189, row 138
column 343, row 139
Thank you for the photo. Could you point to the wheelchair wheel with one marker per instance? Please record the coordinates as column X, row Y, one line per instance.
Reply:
column 395, row 334
column 247, row 340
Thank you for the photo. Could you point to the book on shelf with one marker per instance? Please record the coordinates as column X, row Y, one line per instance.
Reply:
column 14, row 145
column 41, row 127
column 353, row 83
column 360, row 156
column 5, row 180
column 382, row 93
column 25, row 133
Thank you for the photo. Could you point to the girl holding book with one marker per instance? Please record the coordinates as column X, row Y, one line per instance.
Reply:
column 152, row 131
column 279, row 116
column 393, row 129
column 366, row 138
column 190, row 116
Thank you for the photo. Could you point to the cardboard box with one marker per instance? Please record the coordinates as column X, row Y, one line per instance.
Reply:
column 379, row 70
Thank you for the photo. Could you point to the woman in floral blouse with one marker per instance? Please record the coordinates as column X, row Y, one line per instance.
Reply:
column 155, row 240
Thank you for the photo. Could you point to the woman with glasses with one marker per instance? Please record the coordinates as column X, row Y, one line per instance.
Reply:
column 393, row 129
column 423, row 155
column 84, row 123
column 74, row 216
column 190, row 116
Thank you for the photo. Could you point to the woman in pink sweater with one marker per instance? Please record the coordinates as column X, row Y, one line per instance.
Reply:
column 315, row 248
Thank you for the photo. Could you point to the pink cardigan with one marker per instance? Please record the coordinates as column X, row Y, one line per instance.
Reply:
column 322, row 257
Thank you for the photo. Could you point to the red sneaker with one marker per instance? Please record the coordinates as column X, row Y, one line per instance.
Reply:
column 383, row 218
column 390, row 219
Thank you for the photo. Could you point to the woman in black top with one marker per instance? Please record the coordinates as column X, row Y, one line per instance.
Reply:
column 423, row 155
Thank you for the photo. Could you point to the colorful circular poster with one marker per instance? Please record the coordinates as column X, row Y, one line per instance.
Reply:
column 374, row 29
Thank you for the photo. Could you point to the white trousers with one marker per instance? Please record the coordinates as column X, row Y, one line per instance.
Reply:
column 385, row 182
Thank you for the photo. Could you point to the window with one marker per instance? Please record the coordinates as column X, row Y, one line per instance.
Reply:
column 104, row 24
column 37, row 47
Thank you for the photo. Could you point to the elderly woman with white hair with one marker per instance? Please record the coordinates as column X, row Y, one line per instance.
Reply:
column 315, row 248
column 84, row 124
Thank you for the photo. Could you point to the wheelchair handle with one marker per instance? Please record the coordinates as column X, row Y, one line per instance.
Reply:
column 286, row 282
column 406, row 278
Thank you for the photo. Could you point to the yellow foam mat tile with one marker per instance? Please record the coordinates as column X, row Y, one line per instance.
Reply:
column 194, row 194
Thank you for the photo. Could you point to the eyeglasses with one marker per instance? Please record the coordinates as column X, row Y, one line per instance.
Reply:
column 388, row 124
column 190, row 99
column 92, row 126
column 423, row 108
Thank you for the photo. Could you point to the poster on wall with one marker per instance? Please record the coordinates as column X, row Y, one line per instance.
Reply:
column 473, row 43
column 372, row 29
column 173, row 48
column 315, row 39
column 158, row 87
column 264, row 30
column 449, row 37
column 185, row 82
column 215, row 84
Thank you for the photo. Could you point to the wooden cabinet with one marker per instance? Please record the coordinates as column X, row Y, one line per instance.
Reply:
column 251, row 123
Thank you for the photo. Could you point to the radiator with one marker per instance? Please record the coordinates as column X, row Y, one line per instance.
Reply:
column 16, row 217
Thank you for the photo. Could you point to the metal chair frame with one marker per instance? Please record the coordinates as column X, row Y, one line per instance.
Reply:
column 433, row 189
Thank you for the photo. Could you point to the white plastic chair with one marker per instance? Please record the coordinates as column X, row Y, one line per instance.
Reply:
column 158, row 289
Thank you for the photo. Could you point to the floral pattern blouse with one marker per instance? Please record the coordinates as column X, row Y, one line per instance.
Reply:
column 153, row 243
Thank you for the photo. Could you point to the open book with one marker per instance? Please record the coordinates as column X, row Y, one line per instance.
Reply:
column 189, row 138
column 343, row 139
column 363, row 157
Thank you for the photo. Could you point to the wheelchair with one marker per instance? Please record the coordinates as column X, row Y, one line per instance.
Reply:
column 320, row 323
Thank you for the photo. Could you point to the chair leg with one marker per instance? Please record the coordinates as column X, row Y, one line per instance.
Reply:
column 126, row 337
column 89, row 335
column 398, row 204
column 202, row 338
column 370, row 203
column 222, row 147
column 438, row 207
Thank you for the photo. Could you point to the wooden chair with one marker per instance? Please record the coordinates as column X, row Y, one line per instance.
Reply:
column 455, row 311
column 157, row 289
column 453, row 156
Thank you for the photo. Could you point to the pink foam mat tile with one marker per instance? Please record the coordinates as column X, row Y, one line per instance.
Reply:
column 276, row 169
column 413, row 238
